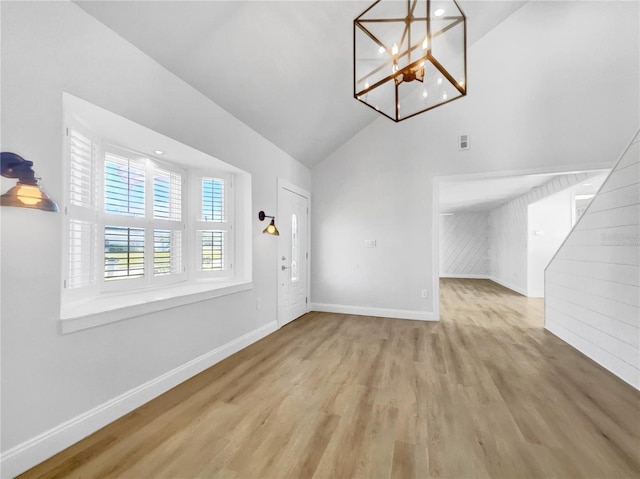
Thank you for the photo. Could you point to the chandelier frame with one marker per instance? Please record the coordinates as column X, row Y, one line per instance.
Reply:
column 413, row 70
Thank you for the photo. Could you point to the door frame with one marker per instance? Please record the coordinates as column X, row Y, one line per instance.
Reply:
column 287, row 185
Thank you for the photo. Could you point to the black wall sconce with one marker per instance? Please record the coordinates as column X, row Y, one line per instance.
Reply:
column 26, row 193
column 271, row 228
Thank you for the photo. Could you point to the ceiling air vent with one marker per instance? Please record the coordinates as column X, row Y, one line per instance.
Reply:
column 463, row 142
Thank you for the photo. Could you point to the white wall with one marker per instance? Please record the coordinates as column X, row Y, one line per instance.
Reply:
column 593, row 283
column 509, row 233
column 49, row 378
column 464, row 248
column 549, row 224
column 537, row 100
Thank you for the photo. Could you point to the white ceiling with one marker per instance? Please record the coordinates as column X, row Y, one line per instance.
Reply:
column 486, row 194
column 282, row 67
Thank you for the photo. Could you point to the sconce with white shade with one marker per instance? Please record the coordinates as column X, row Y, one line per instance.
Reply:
column 27, row 192
column 271, row 227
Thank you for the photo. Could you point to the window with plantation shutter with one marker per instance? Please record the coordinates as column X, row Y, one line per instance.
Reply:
column 141, row 229
column 214, row 231
column 128, row 222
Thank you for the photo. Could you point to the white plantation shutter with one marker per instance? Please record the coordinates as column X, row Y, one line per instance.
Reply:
column 82, row 244
column 167, row 210
column 124, row 186
column 81, row 210
column 167, row 195
column 212, row 205
column 167, row 252
column 212, row 250
column 82, row 170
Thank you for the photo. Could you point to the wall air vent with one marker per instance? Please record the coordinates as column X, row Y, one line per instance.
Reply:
column 463, row 142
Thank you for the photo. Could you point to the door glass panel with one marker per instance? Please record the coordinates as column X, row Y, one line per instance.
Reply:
column 294, row 248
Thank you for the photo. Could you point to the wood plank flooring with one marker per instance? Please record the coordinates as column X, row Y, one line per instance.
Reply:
column 486, row 392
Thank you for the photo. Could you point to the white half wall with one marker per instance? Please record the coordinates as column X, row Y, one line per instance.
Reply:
column 593, row 283
column 49, row 379
column 537, row 102
column 464, row 248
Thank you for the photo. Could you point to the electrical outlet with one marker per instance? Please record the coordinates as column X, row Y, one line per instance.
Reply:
column 425, row 293
column 369, row 243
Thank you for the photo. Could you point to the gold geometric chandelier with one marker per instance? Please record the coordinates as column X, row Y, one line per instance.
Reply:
column 409, row 56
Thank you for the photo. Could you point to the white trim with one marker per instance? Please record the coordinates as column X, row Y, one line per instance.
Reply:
column 435, row 248
column 293, row 188
column 377, row 312
column 96, row 312
column 30, row 453
column 466, row 276
column 510, row 286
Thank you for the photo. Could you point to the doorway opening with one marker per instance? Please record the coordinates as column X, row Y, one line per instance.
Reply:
column 489, row 226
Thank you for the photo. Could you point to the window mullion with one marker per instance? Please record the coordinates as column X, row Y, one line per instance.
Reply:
column 149, row 221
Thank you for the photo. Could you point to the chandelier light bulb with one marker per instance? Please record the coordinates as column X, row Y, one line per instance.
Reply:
column 394, row 49
column 425, row 44
column 381, row 50
column 439, row 81
column 444, row 95
column 424, row 93
column 439, row 12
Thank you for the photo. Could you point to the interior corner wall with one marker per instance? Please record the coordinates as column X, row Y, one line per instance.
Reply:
column 48, row 378
column 509, row 233
column 592, row 285
column 536, row 100
column 464, row 248
column 549, row 223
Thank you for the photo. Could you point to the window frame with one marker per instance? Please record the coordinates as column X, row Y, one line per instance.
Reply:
column 148, row 222
column 197, row 224
column 98, row 218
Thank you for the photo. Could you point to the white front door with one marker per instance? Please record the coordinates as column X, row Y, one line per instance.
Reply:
column 293, row 257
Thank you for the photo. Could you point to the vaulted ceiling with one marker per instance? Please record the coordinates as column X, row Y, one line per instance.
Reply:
column 282, row 67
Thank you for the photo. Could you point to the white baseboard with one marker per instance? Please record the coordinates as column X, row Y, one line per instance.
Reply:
column 379, row 312
column 466, row 276
column 32, row 452
column 510, row 286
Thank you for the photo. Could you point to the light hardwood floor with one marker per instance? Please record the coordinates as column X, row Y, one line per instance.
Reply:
column 486, row 392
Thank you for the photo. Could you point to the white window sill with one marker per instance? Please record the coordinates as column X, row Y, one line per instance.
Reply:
column 110, row 308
